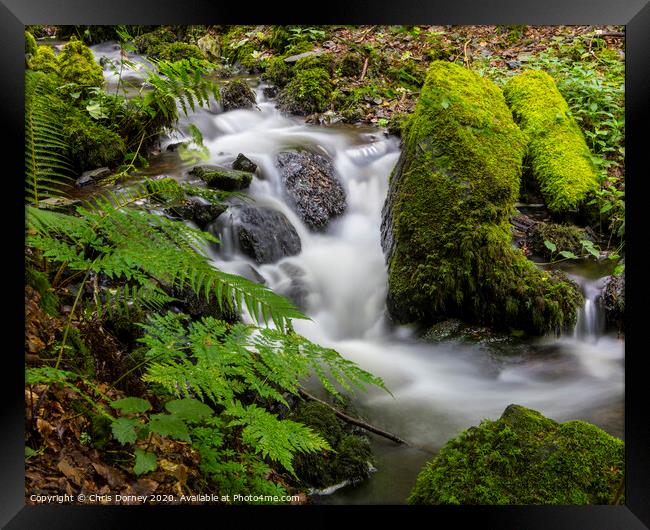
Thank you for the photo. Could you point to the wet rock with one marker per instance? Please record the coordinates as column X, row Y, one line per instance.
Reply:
column 243, row 163
column 223, row 179
column 91, row 177
column 237, row 94
column 270, row 92
column 262, row 233
column 525, row 458
column 613, row 301
column 312, row 186
column 197, row 211
column 61, row 204
column 297, row 290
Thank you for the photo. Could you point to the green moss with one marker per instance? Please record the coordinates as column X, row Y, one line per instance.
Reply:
column 559, row 157
column 324, row 61
column 77, row 65
column 238, row 47
column 50, row 302
column 223, row 179
column 278, row 72
column 308, row 92
column 299, row 47
column 90, row 144
column 176, row 51
column 44, row 61
column 149, row 43
column 446, row 220
column 350, row 65
column 564, row 237
column 171, row 190
column 351, row 455
column 30, row 43
column 279, row 38
column 524, row 458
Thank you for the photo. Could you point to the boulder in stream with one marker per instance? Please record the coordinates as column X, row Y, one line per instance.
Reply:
column 237, row 94
column 195, row 210
column 262, row 233
column 613, row 301
column 312, row 186
column 92, row 176
column 243, row 163
column 525, row 458
column 445, row 226
column 222, row 178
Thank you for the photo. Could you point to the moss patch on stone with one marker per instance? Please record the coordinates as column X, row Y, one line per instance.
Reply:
column 445, row 228
column 559, row 157
column 350, row 456
column 309, row 91
column 524, row 458
column 223, row 179
column 564, row 237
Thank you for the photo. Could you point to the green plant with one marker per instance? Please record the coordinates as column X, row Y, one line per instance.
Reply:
column 47, row 164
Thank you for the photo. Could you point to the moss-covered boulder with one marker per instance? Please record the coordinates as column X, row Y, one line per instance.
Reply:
column 559, row 158
column 77, row 65
column 445, row 228
column 237, row 95
column 309, row 91
column 350, row 461
column 223, row 179
column 30, row 43
column 525, row 458
column 564, row 237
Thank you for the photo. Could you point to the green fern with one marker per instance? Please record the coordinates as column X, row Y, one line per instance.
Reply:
column 146, row 256
column 218, row 361
column 47, row 167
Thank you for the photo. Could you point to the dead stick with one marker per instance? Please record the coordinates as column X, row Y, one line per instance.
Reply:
column 353, row 421
column 363, row 71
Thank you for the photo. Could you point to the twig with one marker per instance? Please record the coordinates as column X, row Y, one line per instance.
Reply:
column 363, row 71
column 353, row 421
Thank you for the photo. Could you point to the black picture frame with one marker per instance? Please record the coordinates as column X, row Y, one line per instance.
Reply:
column 634, row 14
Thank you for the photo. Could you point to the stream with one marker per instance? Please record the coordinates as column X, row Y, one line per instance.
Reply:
column 438, row 389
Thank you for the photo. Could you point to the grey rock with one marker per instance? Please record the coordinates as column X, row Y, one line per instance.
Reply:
column 294, row 58
column 314, row 191
column 262, row 233
column 237, row 94
column 90, row 177
column 243, row 163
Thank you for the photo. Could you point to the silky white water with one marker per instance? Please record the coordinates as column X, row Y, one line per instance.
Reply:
column 437, row 389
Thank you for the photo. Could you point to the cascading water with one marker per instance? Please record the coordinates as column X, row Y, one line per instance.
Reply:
column 590, row 323
column 438, row 389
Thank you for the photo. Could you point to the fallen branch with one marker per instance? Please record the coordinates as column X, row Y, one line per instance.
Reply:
column 354, row 421
column 363, row 71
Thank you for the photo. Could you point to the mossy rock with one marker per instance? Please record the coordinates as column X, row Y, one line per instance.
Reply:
column 317, row 60
column 524, row 458
column 177, row 51
column 237, row 94
column 223, row 179
column 559, row 158
column 149, row 43
column 278, row 72
column 351, row 456
column 77, row 65
column 165, row 190
column 445, row 228
column 44, row 60
column 613, row 301
column 308, row 92
column 350, row 65
column 564, row 237
column 30, row 43
column 90, row 144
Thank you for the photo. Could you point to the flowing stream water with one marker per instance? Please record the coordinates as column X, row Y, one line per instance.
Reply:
column 439, row 389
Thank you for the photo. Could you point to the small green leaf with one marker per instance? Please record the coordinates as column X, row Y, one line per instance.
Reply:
column 144, row 462
column 568, row 254
column 444, row 103
column 188, row 409
column 551, row 246
column 169, row 425
column 29, row 452
column 131, row 405
column 124, row 430
column 619, row 269
column 95, row 110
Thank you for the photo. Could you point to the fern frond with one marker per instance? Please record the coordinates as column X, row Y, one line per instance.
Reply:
column 274, row 438
column 47, row 166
